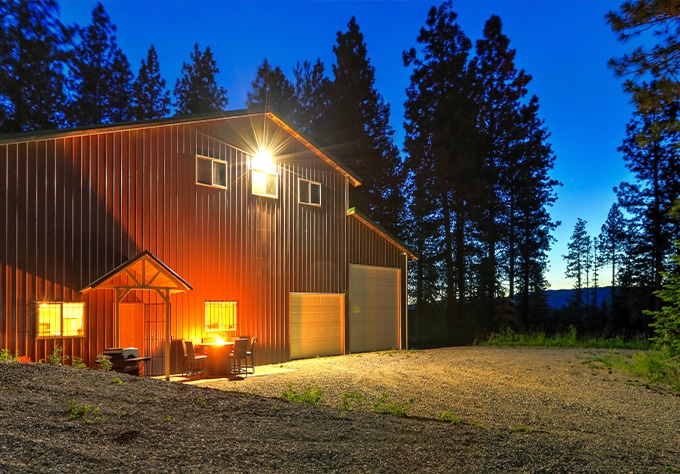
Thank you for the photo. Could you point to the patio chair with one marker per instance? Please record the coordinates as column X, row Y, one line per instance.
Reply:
column 250, row 354
column 238, row 357
column 191, row 359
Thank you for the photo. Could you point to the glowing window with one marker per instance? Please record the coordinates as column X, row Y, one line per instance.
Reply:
column 220, row 316
column 309, row 192
column 265, row 183
column 61, row 319
column 211, row 172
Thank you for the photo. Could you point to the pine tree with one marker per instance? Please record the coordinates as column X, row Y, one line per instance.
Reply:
column 196, row 91
column 659, row 19
column 33, row 52
column 150, row 97
column 442, row 145
column 611, row 243
column 666, row 323
column 577, row 260
column 312, row 101
column 272, row 90
column 359, row 126
column 529, row 192
column 650, row 152
column 101, row 77
column 499, row 89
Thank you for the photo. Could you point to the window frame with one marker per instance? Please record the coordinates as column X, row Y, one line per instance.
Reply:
column 63, row 311
column 256, row 177
column 214, row 164
column 308, row 193
column 225, row 322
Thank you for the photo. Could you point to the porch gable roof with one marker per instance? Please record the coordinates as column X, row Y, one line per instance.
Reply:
column 144, row 272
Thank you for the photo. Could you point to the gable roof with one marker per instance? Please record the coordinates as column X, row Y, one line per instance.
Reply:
column 143, row 272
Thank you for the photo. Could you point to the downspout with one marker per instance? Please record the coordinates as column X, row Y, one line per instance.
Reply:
column 345, row 330
column 406, row 296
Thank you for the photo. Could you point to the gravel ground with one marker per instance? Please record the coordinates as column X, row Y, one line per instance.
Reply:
column 519, row 410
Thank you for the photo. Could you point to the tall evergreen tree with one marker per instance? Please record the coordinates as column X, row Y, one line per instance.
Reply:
column 359, row 126
column 658, row 60
column 101, row 77
column 530, row 191
column 272, row 90
column 577, row 259
column 651, row 154
column 150, row 97
column 196, row 91
column 611, row 242
column 311, row 96
column 442, row 145
column 34, row 48
column 499, row 89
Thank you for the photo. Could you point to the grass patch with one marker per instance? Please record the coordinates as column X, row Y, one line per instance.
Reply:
column 450, row 418
column 656, row 368
column 386, row 407
column 309, row 395
column 568, row 339
column 522, row 429
column 351, row 400
column 84, row 412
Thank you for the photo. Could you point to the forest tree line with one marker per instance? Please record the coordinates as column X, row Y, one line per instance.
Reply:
column 635, row 245
column 469, row 192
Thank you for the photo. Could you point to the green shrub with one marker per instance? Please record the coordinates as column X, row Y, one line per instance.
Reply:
column 57, row 356
column 104, row 362
column 77, row 362
column 6, row 355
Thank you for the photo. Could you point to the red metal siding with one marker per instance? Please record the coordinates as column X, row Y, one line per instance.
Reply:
column 77, row 205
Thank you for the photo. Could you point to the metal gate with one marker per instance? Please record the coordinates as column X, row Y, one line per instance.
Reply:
column 154, row 338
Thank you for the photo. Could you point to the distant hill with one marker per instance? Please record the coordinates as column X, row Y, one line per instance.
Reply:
column 560, row 298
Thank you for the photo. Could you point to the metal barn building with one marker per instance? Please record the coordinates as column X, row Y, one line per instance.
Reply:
column 204, row 228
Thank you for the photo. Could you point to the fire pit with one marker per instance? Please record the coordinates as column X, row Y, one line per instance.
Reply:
column 126, row 360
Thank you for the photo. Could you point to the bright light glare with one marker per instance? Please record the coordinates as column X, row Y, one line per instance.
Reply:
column 220, row 341
column 264, row 161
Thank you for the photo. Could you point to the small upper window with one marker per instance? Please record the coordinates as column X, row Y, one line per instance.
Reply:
column 309, row 192
column 61, row 319
column 265, row 184
column 211, row 172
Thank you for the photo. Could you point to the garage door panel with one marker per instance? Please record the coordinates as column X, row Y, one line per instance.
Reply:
column 316, row 325
column 374, row 308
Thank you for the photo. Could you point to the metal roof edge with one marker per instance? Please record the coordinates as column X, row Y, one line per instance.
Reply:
column 309, row 143
column 363, row 218
column 130, row 125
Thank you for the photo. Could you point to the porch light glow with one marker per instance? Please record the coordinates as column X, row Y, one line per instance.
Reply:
column 264, row 161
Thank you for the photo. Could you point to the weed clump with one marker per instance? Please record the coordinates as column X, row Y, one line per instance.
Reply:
column 309, row 395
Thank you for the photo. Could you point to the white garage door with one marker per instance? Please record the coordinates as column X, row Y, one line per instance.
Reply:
column 374, row 308
column 316, row 324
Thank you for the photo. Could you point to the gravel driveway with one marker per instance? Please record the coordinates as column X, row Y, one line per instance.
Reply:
column 515, row 410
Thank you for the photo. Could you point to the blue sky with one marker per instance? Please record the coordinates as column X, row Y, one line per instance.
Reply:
column 563, row 44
